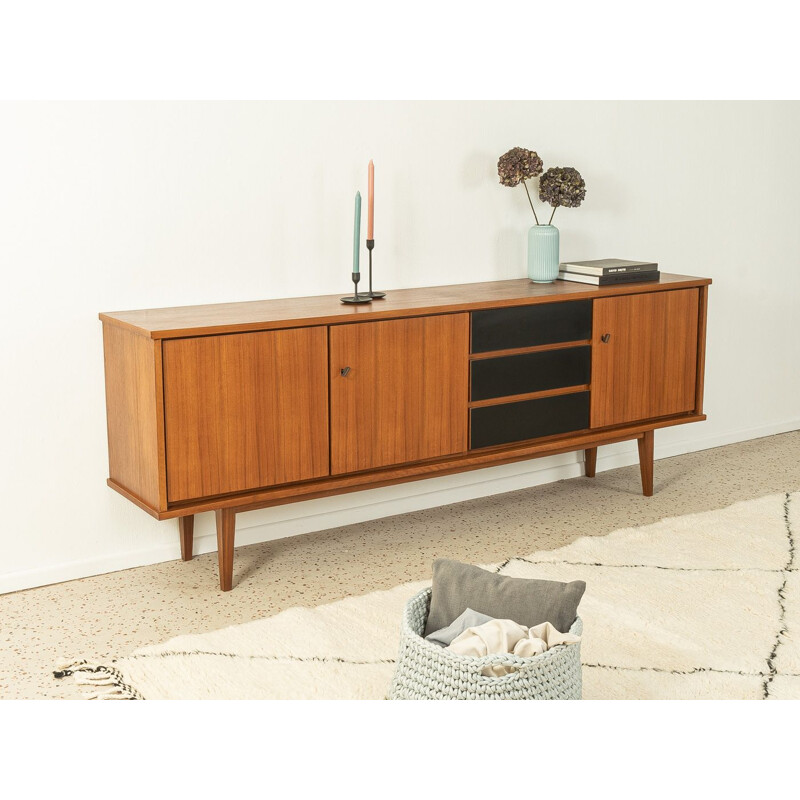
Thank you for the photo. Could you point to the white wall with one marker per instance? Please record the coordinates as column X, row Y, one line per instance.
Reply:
column 110, row 206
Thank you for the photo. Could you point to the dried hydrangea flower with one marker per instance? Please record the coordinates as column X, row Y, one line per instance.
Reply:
column 517, row 165
column 562, row 186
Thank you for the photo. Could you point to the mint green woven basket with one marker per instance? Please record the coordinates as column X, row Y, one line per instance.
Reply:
column 426, row 671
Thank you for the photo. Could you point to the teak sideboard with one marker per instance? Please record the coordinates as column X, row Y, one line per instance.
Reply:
column 240, row 406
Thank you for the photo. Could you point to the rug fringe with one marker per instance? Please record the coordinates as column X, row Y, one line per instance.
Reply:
column 107, row 683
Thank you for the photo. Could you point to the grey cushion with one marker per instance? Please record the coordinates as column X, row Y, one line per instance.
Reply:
column 469, row 619
column 527, row 601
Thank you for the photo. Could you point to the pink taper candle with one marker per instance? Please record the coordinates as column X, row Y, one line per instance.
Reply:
column 371, row 203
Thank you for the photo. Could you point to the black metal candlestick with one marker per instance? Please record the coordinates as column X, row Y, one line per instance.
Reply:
column 356, row 298
column 370, row 293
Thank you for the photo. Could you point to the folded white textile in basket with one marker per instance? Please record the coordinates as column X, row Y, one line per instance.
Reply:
column 507, row 636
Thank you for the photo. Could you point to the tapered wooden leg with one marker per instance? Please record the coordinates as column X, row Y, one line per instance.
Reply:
column 186, row 528
column 646, row 462
column 226, row 525
column 590, row 461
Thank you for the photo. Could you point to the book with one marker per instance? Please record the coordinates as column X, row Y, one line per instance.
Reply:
column 608, row 266
column 606, row 280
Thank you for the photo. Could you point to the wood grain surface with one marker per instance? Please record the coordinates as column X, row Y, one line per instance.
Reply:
column 131, row 413
column 515, row 398
column 245, row 411
column 239, row 406
column 517, row 351
column 702, row 318
column 226, row 533
column 404, row 397
column 646, row 449
column 648, row 366
column 590, row 461
column 254, row 315
column 186, row 533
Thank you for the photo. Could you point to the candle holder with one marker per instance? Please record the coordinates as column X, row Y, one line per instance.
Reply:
column 370, row 293
column 356, row 298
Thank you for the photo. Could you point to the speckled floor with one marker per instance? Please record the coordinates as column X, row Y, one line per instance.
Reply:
column 107, row 616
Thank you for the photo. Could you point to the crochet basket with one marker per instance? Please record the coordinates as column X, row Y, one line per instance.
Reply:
column 426, row 671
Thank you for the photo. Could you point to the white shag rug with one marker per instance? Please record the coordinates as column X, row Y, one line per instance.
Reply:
column 701, row 606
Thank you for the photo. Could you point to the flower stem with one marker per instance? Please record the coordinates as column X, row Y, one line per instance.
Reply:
column 530, row 201
column 552, row 215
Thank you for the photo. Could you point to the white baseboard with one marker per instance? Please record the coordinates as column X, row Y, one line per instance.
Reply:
column 333, row 512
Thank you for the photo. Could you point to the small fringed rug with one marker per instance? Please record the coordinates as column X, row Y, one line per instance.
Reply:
column 702, row 606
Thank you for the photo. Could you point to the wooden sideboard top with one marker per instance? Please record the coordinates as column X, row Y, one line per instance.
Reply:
column 255, row 315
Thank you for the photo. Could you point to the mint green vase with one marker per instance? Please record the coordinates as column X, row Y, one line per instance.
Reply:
column 543, row 253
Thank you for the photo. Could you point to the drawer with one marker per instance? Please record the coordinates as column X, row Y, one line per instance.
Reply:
column 530, row 372
column 528, row 326
column 529, row 419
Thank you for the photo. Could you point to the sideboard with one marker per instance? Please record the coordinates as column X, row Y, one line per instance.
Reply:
column 239, row 406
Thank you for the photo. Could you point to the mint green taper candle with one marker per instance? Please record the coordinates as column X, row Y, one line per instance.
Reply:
column 357, row 233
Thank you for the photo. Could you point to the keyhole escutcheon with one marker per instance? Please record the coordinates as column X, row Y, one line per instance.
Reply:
column 605, row 337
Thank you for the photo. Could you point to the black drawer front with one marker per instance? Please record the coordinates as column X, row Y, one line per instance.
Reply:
column 528, row 326
column 530, row 372
column 529, row 419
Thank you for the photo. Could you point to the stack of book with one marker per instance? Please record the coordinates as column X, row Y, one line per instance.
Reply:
column 607, row 271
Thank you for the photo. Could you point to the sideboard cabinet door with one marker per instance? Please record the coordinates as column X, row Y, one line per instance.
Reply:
column 398, row 391
column 245, row 410
column 644, row 356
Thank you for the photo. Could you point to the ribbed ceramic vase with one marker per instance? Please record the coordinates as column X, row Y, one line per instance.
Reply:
column 543, row 253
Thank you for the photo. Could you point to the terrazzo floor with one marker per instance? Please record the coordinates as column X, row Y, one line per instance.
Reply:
column 107, row 616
